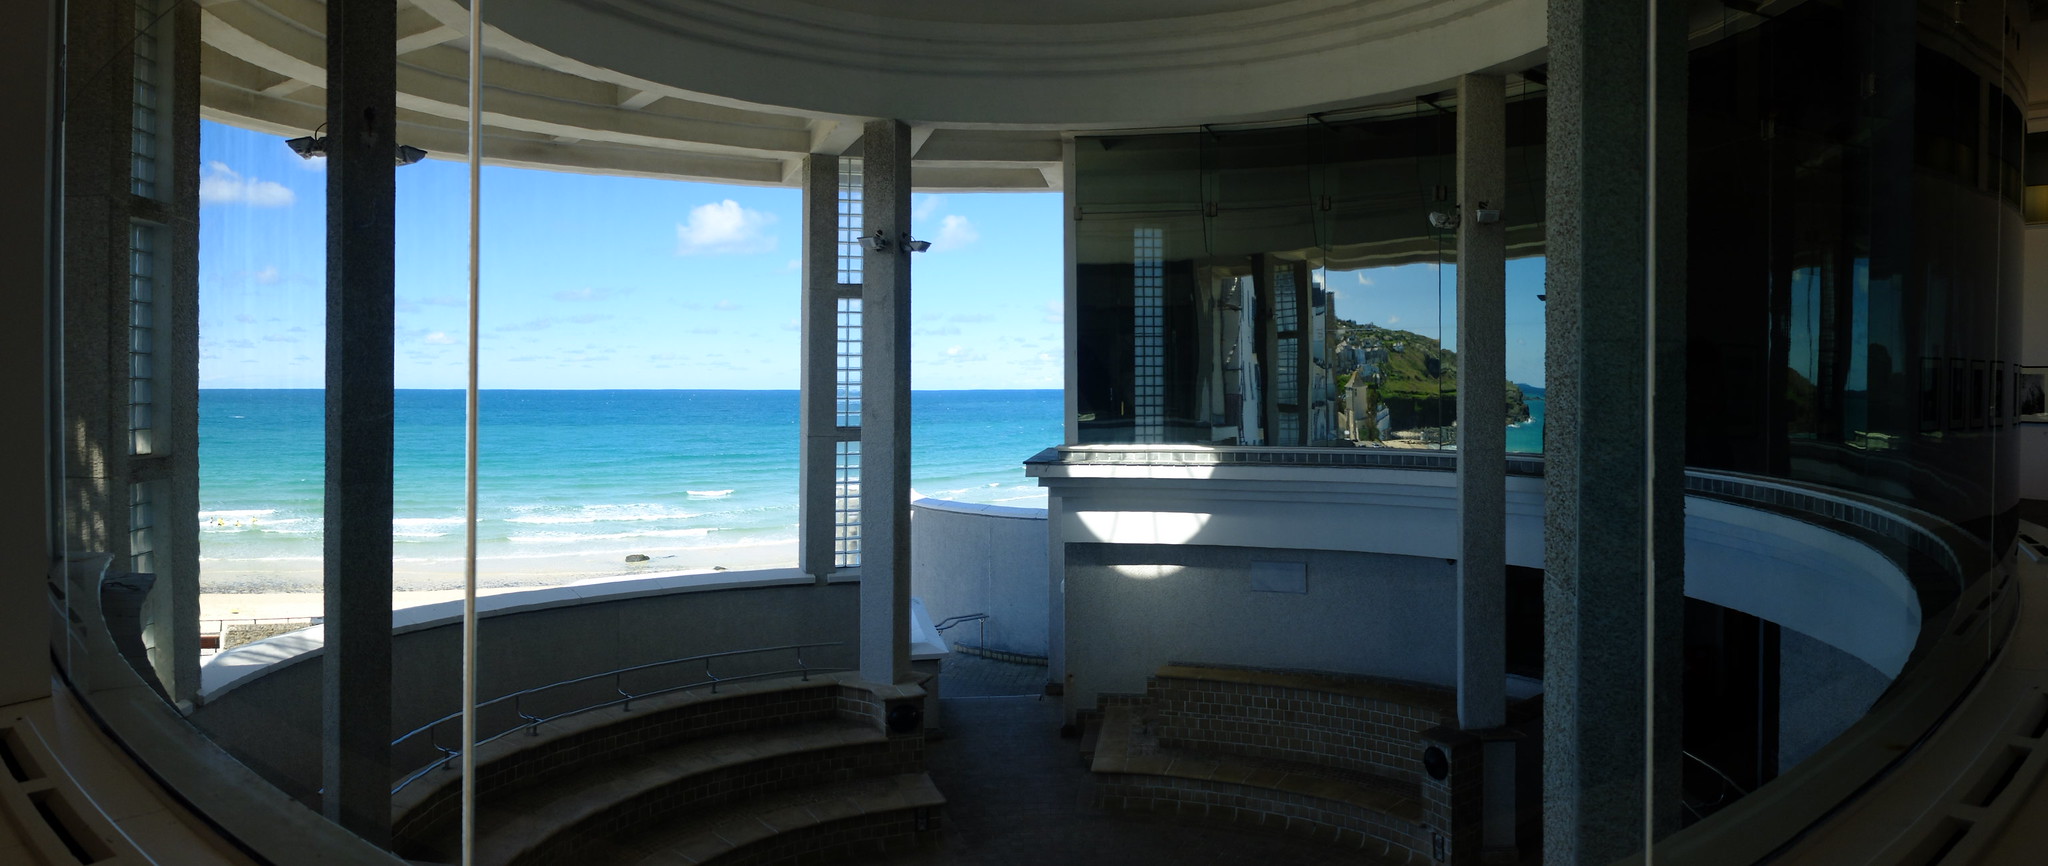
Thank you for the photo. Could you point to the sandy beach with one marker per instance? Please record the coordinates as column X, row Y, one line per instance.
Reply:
column 280, row 589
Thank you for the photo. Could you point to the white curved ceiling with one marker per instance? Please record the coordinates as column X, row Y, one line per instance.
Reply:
column 739, row 90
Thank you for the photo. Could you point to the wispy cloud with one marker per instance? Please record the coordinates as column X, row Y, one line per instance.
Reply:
column 1054, row 313
column 541, row 324
column 1364, row 280
column 279, row 338
column 793, row 325
column 590, row 294
column 267, row 277
column 926, row 207
column 245, row 318
column 440, row 338
column 970, row 318
column 941, row 331
column 725, row 305
column 955, row 231
column 223, row 185
column 957, row 354
column 724, row 227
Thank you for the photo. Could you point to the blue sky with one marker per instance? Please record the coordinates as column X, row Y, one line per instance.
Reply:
column 616, row 282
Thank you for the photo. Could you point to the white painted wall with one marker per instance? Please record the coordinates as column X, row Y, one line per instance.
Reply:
column 1134, row 607
column 982, row 559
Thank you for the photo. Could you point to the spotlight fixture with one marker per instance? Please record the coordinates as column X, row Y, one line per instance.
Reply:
column 308, row 146
column 916, row 246
column 1442, row 220
column 315, row 145
column 875, row 242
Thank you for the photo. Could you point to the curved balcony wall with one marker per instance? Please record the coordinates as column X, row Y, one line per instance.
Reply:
column 261, row 701
column 967, row 559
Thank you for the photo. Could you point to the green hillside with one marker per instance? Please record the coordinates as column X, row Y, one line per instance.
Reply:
column 1416, row 394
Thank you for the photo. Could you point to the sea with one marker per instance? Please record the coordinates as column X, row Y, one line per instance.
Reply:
column 570, row 483
column 1527, row 437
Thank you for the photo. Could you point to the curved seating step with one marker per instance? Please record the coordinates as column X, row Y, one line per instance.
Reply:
column 1135, row 774
column 816, row 824
column 575, row 805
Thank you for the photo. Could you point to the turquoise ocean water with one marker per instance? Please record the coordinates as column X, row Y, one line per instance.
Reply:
column 571, row 482
column 1528, row 436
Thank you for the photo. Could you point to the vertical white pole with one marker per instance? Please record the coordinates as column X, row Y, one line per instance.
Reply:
column 469, row 632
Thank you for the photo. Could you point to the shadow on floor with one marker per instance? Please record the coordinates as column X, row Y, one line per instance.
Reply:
column 1016, row 794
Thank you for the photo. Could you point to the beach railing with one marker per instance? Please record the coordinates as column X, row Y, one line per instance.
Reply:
column 214, row 639
column 531, row 723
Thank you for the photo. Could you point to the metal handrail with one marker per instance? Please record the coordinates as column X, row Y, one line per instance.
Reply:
column 952, row 621
column 531, row 723
column 1716, row 771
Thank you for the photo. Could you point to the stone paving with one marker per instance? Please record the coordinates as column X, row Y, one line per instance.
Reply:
column 1016, row 793
column 965, row 676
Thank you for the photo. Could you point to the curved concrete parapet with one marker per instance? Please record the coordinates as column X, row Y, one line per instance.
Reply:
column 967, row 558
column 261, row 701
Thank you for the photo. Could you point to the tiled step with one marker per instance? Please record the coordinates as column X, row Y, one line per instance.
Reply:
column 600, row 799
column 821, row 823
column 1134, row 774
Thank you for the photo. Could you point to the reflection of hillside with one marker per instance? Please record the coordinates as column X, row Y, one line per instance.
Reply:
column 1417, row 378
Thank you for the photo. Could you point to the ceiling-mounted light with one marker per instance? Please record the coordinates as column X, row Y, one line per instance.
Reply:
column 315, row 145
column 308, row 146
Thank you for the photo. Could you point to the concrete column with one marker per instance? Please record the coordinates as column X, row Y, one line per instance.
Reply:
column 356, row 667
column 885, row 407
column 1482, row 445
column 1613, row 540
column 1482, row 407
column 28, row 161
column 818, row 415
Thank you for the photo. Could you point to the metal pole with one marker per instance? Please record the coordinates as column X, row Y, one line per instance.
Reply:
column 469, row 624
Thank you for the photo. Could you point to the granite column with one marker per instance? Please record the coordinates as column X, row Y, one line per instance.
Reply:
column 885, row 405
column 1614, row 462
column 361, row 200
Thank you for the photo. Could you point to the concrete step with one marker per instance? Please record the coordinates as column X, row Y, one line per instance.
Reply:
column 821, row 823
column 603, row 798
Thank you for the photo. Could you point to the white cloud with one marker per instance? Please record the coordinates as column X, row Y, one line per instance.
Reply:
column 1054, row 313
column 725, row 305
column 267, row 277
column 957, row 354
column 926, row 207
column 793, row 325
column 440, row 338
column 724, row 227
column 954, row 232
column 223, row 185
column 245, row 318
column 1393, row 320
column 794, row 264
column 1364, row 280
